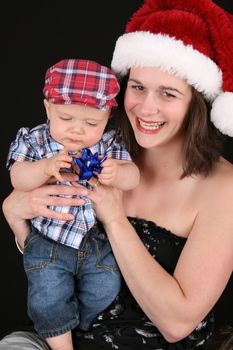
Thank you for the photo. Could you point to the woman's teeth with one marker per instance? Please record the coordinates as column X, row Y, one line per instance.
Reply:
column 150, row 126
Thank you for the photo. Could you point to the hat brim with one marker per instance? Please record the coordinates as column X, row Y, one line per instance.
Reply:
column 145, row 49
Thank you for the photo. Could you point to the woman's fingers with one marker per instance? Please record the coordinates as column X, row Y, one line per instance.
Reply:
column 46, row 212
column 55, row 190
column 34, row 203
column 63, row 202
column 47, row 195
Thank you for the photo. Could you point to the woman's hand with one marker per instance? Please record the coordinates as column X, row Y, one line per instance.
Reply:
column 107, row 201
column 26, row 205
column 20, row 206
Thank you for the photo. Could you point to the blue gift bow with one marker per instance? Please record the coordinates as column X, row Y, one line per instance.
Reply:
column 88, row 164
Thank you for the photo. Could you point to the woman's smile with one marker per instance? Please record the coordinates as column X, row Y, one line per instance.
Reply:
column 149, row 127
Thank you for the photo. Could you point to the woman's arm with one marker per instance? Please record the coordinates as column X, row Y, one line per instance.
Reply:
column 18, row 225
column 175, row 304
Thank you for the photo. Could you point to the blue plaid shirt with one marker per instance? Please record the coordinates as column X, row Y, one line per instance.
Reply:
column 34, row 144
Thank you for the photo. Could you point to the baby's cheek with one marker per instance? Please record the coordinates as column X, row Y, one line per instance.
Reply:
column 103, row 171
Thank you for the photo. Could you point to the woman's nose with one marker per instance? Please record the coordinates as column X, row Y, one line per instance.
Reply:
column 150, row 104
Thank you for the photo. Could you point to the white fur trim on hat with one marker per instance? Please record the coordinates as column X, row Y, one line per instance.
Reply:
column 222, row 113
column 145, row 49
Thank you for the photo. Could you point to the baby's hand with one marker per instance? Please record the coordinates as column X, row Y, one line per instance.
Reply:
column 109, row 171
column 55, row 163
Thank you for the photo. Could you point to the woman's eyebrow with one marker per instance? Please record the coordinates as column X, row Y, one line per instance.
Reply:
column 162, row 87
column 135, row 81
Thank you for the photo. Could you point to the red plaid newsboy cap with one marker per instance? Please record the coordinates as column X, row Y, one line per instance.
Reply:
column 82, row 82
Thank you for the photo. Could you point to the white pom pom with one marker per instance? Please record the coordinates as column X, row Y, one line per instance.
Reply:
column 222, row 113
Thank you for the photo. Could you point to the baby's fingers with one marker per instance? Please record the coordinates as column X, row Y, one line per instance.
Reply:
column 65, row 158
column 58, row 176
column 61, row 164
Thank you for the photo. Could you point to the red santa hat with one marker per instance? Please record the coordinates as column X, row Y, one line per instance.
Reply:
column 192, row 39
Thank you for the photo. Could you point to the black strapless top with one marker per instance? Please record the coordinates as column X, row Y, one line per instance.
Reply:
column 123, row 325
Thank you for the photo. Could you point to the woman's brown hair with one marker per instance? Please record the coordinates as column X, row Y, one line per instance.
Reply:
column 202, row 143
column 221, row 339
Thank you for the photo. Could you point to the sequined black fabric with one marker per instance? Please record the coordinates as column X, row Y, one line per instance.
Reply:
column 123, row 326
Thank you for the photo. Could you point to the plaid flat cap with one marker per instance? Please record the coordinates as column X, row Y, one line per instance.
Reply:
column 82, row 82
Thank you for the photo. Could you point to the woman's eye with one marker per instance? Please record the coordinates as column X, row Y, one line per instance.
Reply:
column 138, row 87
column 167, row 94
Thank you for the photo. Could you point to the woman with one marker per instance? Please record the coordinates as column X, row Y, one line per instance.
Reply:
column 172, row 235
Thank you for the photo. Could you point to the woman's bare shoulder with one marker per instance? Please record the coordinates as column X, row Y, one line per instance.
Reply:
column 223, row 174
column 217, row 188
column 225, row 165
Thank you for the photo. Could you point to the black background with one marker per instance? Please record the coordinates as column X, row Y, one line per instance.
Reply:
column 38, row 35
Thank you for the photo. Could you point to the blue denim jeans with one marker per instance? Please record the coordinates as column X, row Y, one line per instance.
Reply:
column 69, row 287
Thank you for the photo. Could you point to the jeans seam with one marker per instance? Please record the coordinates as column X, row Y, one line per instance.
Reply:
column 101, row 266
column 61, row 330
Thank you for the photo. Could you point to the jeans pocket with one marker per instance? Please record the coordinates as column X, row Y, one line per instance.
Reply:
column 30, row 237
column 39, row 252
column 104, row 255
